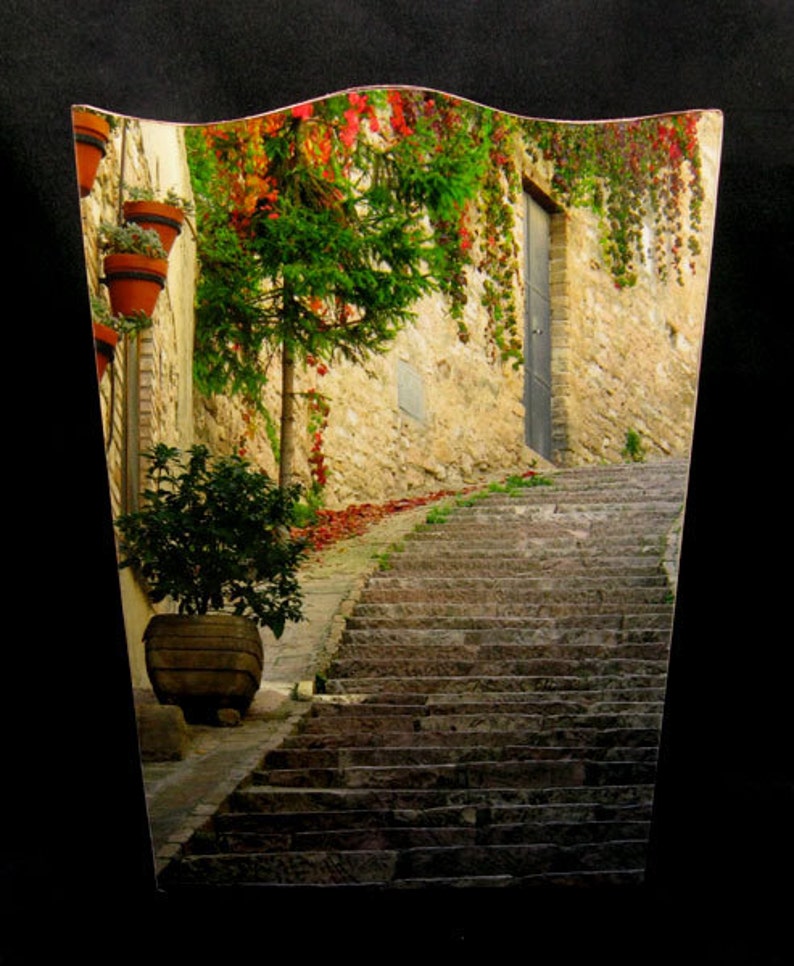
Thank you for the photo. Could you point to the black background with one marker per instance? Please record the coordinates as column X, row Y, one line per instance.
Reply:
column 77, row 877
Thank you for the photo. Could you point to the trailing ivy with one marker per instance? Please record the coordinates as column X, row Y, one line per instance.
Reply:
column 631, row 174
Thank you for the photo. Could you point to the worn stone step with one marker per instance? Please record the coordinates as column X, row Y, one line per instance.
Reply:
column 613, row 879
column 484, row 817
column 367, row 839
column 633, row 540
column 532, row 773
column 521, row 860
column 555, row 509
column 456, row 721
column 524, row 549
column 350, row 704
column 572, row 734
column 465, row 684
column 263, row 798
column 238, row 836
column 546, row 605
column 478, row 667
column 292, row 758
column 518, row 584
column 386, row 866
column 324, row 867
column 498, row 566
column 613, row 497
column 486, row 594
column 514, row 774
column 650, row 620
column 512, row 635
column 363, row 649
column 529, row 536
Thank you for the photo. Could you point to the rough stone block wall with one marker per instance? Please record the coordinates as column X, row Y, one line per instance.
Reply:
column 621, row 359
column 146, row 394
column 377, row 445
column 627, row 358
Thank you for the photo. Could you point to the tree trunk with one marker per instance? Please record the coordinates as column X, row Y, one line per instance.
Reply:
column 287, row 445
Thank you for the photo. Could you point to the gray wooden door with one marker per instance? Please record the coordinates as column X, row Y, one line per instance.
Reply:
column 537, row 342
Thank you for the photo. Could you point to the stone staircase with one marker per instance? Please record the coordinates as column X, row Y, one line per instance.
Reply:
column 491, row 717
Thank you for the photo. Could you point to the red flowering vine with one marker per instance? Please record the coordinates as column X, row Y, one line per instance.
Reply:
column 320, row 226
column 318, row 409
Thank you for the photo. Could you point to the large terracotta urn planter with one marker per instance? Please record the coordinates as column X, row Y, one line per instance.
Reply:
column 204, row 663
column 134, row 282
column 91, row 134
column 166, row 220
column 105, row 341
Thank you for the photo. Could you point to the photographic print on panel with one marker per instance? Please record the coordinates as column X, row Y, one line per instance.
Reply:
column 467, row 342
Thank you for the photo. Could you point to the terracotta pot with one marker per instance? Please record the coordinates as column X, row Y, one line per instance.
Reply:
column 166, row 220
column 134, row 282
column 105, row 341
column 204, row 663
column 91, row 134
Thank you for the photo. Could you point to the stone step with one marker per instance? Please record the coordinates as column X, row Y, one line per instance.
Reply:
column 547, row 635
column 530, row 535
column 550, row 562
column 486, row 593
column 346, row 702
column 521, row 860
column 536, row 772
column 550, row 520
column 482, row 818
column 484, row 774
column 522, row 609
column 390, row 665
column 455, row 720
column 422, row 865
column 429, row 647
column 650, row 620
column 615, row 498
column 263, row 798
column 641, row 735
column 481, row 583
column 628, row 503
column 236, row 834
column 292, row 758
column 462, row 684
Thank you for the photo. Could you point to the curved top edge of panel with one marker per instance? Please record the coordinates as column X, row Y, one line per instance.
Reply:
column 618, row 119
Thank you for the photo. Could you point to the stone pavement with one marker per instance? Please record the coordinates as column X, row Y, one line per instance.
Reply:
column 181, row 795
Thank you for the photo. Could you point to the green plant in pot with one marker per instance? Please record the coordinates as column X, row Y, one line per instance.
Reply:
column 213, row 534
column 92, row 132
column 109, row 328
column 165, row 215
column 135, row 267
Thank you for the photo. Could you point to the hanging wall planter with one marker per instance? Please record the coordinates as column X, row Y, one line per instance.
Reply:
column 165, row 219
column 109, row 329
column 105, row 342
column 134, row 282
column 91, row 134
column 135, row 268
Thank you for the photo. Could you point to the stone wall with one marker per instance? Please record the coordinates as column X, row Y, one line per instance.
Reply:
column 146, row 394
column 627, row 358
column 433, row 412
